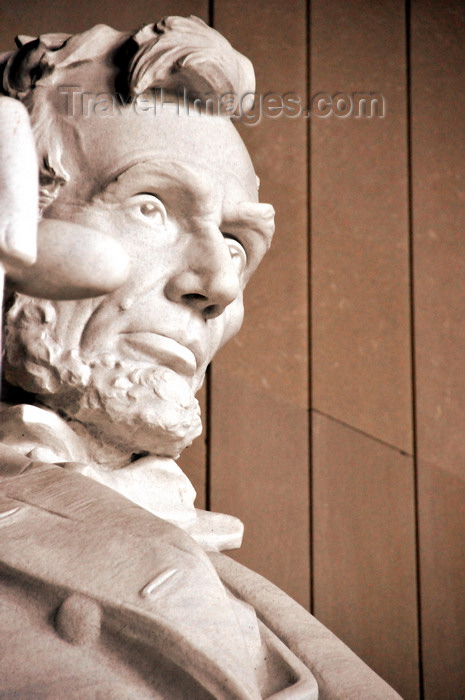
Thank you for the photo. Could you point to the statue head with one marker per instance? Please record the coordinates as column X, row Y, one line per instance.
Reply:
column 177, row 188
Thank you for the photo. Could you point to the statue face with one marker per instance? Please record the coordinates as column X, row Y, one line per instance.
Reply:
column 180, row 194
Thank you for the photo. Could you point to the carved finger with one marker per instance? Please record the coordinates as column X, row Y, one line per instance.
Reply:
column 18, row 185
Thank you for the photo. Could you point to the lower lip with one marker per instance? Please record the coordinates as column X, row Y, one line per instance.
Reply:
column 162, row 350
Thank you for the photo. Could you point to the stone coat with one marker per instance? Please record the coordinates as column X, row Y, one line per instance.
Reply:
column 101, row 599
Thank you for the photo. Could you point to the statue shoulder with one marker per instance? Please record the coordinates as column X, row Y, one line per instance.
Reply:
column 88, row 574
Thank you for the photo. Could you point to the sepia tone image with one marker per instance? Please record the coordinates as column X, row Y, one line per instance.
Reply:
column 231, row 430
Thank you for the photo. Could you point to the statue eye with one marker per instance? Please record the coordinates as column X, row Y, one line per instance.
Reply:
column 148, row 208
column 237, row 252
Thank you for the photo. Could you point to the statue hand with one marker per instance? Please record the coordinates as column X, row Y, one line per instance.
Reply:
column 53, row 259
column 18, row 186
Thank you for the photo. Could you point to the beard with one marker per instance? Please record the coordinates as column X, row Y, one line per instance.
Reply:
column 132, row 405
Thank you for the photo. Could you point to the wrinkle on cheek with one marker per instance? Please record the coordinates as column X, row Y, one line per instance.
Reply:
column 232, row 319
column 71, row 321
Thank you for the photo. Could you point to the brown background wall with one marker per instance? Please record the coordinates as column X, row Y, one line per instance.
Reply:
column 364, row 520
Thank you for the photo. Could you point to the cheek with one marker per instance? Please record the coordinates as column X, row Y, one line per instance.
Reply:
column 222, row 329
column 232, row 318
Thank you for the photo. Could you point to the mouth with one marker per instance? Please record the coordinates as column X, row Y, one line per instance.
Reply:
column 162, row 350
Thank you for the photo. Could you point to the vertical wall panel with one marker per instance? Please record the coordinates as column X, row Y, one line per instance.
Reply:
column 364, row 510
column 364, row 550
column 438, row 178
column 361, row 349
column 259, row 395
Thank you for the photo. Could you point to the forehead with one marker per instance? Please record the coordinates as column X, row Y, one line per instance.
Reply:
column 109, row 144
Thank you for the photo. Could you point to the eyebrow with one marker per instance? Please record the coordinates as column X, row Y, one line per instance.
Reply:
column 163, row 173
column 252, row 216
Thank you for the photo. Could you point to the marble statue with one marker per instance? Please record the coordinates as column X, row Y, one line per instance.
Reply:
column 149, row 227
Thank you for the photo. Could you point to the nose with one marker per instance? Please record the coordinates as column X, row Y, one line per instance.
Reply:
column 207, row 279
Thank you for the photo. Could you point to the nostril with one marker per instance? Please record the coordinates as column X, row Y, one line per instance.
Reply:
column 194, row 297
column 212, row 311
column 200, row 302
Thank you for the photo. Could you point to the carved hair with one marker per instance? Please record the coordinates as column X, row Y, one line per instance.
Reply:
column 175, row 53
